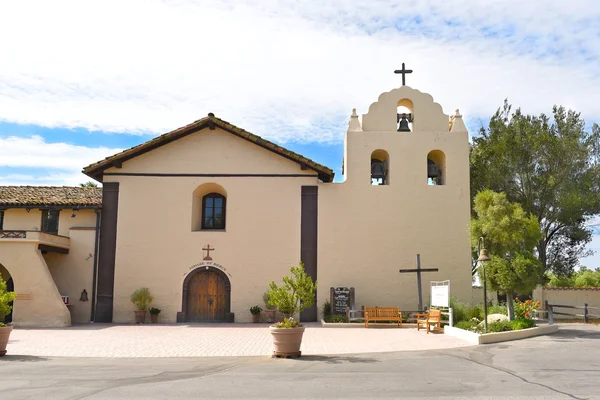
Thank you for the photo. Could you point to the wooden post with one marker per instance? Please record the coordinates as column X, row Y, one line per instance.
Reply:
column 585, row 313
column 548, row 308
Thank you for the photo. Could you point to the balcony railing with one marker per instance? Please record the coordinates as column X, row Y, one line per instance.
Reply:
column 44, row 238
column 13, row 234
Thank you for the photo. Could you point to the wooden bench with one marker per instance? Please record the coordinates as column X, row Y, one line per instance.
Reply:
column 382, row 314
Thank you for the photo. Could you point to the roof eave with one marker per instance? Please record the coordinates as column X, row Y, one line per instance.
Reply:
column 96, row 171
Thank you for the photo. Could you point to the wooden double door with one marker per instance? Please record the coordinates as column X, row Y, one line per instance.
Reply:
column 207, row 297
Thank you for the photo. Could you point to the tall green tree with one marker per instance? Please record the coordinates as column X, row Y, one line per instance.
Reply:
column 551, row 167
column 88, row 184
column 510, row 237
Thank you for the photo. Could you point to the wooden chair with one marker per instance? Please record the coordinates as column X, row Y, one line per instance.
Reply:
column 433, row 318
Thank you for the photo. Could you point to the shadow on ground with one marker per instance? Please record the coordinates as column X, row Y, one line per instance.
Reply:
column 339, row 359
column 18, row 358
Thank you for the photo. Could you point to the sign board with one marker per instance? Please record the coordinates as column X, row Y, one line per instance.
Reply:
column 341, row 298
column 440, row 293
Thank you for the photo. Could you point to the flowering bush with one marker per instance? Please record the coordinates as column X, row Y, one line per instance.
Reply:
column 525, row 309
column 287, row 323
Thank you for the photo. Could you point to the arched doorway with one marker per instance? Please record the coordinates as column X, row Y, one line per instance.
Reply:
column 206, row 296
column 10, row 287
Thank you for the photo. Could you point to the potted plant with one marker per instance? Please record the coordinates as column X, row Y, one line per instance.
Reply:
column 255, row 311
column 295, row 294
column 154, row 314
column 141, row 298
column 270, row 308
column 5, row 298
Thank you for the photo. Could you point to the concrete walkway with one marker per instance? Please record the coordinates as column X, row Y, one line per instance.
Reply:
column 215, row 340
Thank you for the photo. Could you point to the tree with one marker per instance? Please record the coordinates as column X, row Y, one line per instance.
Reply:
column 552, row 169
column 583, row 278
column 296, row 294
column 89, row 184
column 510, row 238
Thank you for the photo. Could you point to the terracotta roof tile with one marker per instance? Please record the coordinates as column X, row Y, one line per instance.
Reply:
column 95, row 170
column 50, row 196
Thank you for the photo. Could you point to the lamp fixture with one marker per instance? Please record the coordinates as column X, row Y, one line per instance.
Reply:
column 84, row 296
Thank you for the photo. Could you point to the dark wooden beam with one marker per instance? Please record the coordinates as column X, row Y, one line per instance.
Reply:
column 52, row 249
column 117, row 164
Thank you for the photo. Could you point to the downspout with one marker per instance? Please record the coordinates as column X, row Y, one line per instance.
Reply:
column 95, row 273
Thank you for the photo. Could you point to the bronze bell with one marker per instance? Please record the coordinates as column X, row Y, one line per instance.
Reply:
column 483, row 255
column 377, row 170
column 404, row 120
column 432, row 170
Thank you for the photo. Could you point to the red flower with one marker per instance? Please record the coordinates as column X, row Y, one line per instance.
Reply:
column 527, row 314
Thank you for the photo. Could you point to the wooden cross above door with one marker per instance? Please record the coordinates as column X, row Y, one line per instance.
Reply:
column 208, row 250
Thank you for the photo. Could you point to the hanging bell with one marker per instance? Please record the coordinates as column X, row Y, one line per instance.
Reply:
column 377, row 170
column 432, row 170
column 403, row 125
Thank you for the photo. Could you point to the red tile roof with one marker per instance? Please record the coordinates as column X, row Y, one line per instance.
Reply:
column 50, row 196
column 95, row 170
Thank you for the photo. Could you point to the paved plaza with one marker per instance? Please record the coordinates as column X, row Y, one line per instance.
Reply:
column 563, row 365
column 215, row 340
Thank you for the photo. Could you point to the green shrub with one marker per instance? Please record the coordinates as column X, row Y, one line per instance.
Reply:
column 154, row 311
column 296, row 294
column 326, row 309
column 255, row 310
column 466, row 325
column 335, row 318
column 459, row 310
column 267, row 301
column 500, row 326
column 5, row 298
column 141, row 298
column 476, row 312
column 522, row 323
column 497, row 309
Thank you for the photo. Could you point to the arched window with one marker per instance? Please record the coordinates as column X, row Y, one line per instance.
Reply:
column 213, row 211
column 208, row 207
column 436, row 168
column 380, row 168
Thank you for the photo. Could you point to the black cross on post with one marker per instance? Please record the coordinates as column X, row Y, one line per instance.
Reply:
column 208, row 250
column 403, row 71
column 418, row 270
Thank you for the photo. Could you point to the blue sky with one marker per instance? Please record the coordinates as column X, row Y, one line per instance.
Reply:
column 82, row 80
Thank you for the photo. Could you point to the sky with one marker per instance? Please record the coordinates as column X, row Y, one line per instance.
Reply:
column 81, row 80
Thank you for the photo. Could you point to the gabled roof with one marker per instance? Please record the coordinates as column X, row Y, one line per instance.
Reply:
column 95, row 170
column 40, row 196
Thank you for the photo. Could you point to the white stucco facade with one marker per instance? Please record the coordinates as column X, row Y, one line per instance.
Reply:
column 363, row 235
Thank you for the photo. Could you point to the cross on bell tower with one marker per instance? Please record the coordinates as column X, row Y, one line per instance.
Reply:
column 403, row 71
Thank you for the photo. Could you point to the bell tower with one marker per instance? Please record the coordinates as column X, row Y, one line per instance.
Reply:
column 405, row 192
column 406, row 140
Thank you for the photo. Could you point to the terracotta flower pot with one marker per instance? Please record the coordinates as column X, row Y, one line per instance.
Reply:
column 4, row 334
column 154, row 318
column 286, row 341
column 140, row 316
column 255, row 318
column 270, row 315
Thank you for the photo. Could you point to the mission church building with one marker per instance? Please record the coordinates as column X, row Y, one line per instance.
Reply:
column 207, row 215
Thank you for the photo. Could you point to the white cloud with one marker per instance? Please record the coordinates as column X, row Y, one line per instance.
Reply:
column 35, row 152
column 55, row 163
column 52, row 179
column 287, row 70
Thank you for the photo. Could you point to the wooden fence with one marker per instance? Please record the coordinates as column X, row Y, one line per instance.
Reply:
column 550, row 309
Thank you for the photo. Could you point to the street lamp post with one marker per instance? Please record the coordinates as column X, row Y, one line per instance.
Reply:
column 483, row 257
